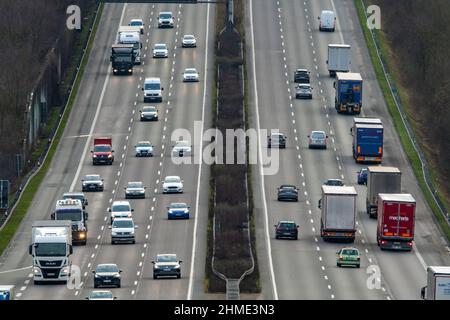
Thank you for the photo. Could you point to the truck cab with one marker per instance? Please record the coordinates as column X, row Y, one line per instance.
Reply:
column 132, row 35
column 122, row 58
column 103, row 152
column 72, row 209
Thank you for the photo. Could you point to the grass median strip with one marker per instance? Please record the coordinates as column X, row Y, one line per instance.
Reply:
column 398, row 123
column 29, row 192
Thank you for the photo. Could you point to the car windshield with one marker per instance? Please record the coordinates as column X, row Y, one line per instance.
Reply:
column 191, row 71
column 288, row 188
column 144, row 144
column 50, row 249
column 189, row 37
column 102, row 149
column 166, row 258
column 74, row 196
column 101, row 295
column 160, row 46
column 350, row 252
column 69, row 214
column 121, row 208
column 149, row 109
column 165, row 16
column 303, row 87
column 178, row 205
column 136, row 23
column 122, row 224
column 318, row 135
column 92, row 178
column 107, row 268
column 134, row 184
column 287, row 225
column 171, row 180
column 152, row 86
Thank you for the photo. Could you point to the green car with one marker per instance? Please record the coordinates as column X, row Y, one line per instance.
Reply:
column 348, row 257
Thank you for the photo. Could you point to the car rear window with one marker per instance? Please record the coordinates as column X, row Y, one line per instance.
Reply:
column 350, row 252
column 287, row 225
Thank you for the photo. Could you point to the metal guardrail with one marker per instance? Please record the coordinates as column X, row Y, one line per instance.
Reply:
column 35, row 170
column 409, row 130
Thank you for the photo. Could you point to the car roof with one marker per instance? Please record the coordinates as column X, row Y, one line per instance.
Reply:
column 92, row 175
column 160, row 44
column 165, row 12
column 166, row 255
column 169, row 177
column 136, row 20
column 179, row 203
column 317, row 131
column 286, row 221
column 302, row 70
column 189, row 35
column 106, row 264
column 121, row 202
column 190, row 69
column 144, row 141
column 152, row 79
column 288, row 186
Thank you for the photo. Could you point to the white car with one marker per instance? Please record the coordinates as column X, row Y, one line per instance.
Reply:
column 144, row 149
column 182, row 148
column 135, row 189
column 122, row 230
column 327, row 20
column 120, row 209
column 189, row 41
column 172, row 184
column 137, row 23
column 165, row 19
column 149, row 113
column 190, row 75
column 160, row 50
column 101, row 295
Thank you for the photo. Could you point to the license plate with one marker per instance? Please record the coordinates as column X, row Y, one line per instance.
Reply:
column 371, row 158
column 107, row 281
column 166, row 269
column 51, row 274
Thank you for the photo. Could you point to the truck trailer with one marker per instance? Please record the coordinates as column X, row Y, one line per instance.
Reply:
column 367, row 145
column 381, row 180
column 348, row 88
column 438, row 284
column 396, row 216
column 338, row 58
column 51, row 248
column 338, row 213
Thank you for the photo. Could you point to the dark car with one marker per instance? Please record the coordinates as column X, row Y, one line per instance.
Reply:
column 362, row 176
column 107, row 275
column 78, row 196
column 287, row 193
column 166, row 265
column 334, row 182
column 286, row 229
column 92, row 182
column 276, row 140
column 301, row 76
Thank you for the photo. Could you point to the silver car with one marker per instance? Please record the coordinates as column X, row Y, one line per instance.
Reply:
column 149, row 113
column 135, row 189
column 160, row 51
column 144, row 149
column 190, row 75
column 182, row 148
column 317, row 139
column 189, row 41
column 173, row 184
column 303, row 91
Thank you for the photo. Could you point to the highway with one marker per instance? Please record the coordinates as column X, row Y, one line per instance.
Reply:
column 281, row 37
column 109, row 105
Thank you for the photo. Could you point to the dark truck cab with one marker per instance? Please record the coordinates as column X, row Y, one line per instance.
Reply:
column 122, row 58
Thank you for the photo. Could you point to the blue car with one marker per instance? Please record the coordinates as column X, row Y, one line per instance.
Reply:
column 362, row 176
column 178, row 211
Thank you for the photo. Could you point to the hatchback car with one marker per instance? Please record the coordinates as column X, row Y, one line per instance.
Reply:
column 137, row 23
column 160, row 50
column 122, row 230
column 120, row 209
column 165, row 20
column 303, row 91
column 348, row 257
column 77, row 196
column 144, row 149
column 92, row 182
column 317, row 139
column 362, row 176
column 287, row 193
column 334, row 182
column 327, row 20
column 190, row 75
column 101, row 295
column 276, row 140
column 107, row 275
column 286, row 229
column 172, row 184
column 189, row 41
column 166, row 265
column 178, row 211
column 135, row 189
column 182, row 148
column 149, row 113
column 301, row 76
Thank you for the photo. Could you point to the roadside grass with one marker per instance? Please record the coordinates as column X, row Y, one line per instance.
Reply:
column 24, row 204
column 398, row 123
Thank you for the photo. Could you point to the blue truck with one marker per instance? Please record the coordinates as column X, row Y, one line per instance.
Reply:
column 367, row 140
column 348, row 88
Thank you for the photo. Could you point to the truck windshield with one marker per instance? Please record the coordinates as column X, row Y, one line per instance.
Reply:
column 123, row 59
column 50, row 249
column 102, row 149
column 70, row 214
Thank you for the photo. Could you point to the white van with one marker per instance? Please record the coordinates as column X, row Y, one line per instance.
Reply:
column 327, row 21
column 152, row 90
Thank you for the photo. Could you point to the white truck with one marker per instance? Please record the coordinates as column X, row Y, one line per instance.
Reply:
column 339, row 58
column 51, row 247
column 338, row 213
column 6, row 292
column 438, row 284
column 131, row 35
column 381, row 180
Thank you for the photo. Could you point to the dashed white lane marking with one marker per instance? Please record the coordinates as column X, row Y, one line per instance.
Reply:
column 329, row 287
column 27, row 281
column 133, row 292
column 143, row 254
column 138, row 273
column 89, row 265
column 18, row 295
column 98, row 238
column 320, row 258
column 85, row 274
column 332, row 296
column 102, row 228
column 96, row 246
column 318, row 248
column 135, row 283
column 30, row 275
column 77, row 292
column 325, row 277
column 140, row 264
column 92, row 256
column 323, row 268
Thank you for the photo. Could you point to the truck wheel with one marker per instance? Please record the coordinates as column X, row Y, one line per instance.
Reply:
column 178, row 276
column 338, row 264
column 37, row 282
column 358, row 266
column 154, row 276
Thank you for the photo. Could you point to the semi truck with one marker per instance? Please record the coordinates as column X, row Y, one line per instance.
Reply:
column 348, row 88
column 51, row 248
column 122, row 58
column 339, row 59
column 72, row 209
column 103, row 152
column 7, row 292
column 438, row 284
column 131, row 35
column 367, row 145
column 381, row 180
column 338, row 213
column 395, row 228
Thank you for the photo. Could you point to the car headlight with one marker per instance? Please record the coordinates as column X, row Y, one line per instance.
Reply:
column 94, row 156
column 84, row 183
column 96, row 276
column 176, row 267
column 156, row 266
column 109, row 155
column 101, row 183
column 117, row 276
column 114, row 233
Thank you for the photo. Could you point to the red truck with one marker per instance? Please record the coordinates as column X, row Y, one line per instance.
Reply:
column 396, row 213
column 103, row 152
